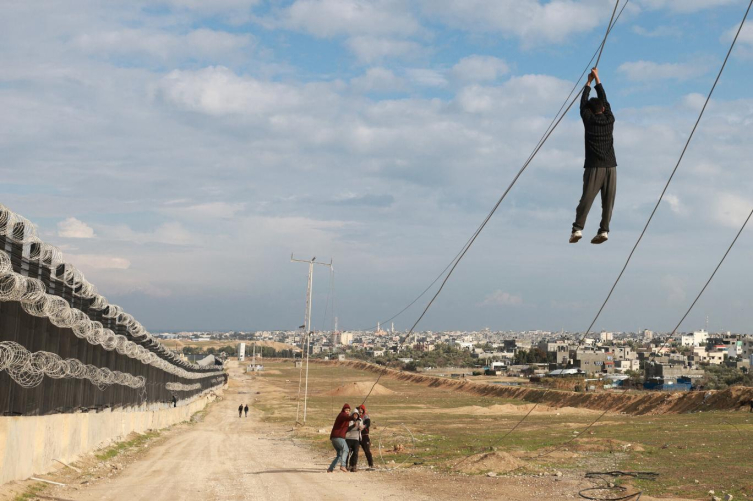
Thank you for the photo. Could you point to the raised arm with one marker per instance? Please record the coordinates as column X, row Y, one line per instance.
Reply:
column 600, row 92
column 585, row 111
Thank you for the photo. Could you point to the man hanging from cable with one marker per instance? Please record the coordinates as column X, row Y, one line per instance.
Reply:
column 600, row 167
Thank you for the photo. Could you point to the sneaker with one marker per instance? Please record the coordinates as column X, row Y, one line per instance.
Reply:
column 600, row 237
column 575, row 236
column 342, row 468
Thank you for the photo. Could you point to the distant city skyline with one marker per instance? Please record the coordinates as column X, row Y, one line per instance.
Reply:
column 179, row 151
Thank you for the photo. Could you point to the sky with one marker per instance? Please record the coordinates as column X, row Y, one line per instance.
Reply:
column 178, row 152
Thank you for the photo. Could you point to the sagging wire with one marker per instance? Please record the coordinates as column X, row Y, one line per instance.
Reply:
column 538, row 146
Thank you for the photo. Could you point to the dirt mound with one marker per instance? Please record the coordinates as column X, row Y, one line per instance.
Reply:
column 494, row 410
column 359, row 390
column 498, row 462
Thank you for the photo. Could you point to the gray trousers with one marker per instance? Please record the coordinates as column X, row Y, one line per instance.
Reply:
column 597, row 180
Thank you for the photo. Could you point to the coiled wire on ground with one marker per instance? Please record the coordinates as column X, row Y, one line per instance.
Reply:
column 607, row 486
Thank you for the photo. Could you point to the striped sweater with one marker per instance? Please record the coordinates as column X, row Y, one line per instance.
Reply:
column 599, row 129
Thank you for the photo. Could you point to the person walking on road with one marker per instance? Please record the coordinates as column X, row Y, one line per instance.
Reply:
column 353, row 439
column 337, row 437
column 240, row 410
column 600, row 166
column 245, row 409
column 365, row 440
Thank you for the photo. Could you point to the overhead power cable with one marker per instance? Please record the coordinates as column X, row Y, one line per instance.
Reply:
column 687, row 312
column 538, row 147
column 672, row 175
column 644, row 231
column 553, row 124
column 604, row 413
column 548, row 132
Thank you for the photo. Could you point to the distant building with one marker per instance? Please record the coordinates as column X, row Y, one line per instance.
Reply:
column 606, row 336
column 241, row 352
column 593, row 362
column 697, row 338
column 342, row 338
column 666, row 372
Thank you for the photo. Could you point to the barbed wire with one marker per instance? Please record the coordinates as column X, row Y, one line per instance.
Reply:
column 34, row 300
column 191, row 387
column 29, row 369
column 182, row 387
column 20, row 230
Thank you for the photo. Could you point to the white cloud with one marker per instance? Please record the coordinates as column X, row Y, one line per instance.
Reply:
column 98, row 262
column 329, row 18
column 378, row 79
column 480, row 69
column 370, row 49
column 730, row 210
column 197, row 44
column 73, row 228
column 533, row 93
column 746, row 34
column 426, row 77
column 647, row 71
column 675, row 205
column 172, row 233
column 658, row 32
column 213, row 6
column 684, row 6
column 211, row 210
column 694, row 101
column 219, row 91
column 500, row 298
column 744, row 40
column 533, row 22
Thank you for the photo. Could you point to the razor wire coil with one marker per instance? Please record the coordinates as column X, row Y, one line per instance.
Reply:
column 30, row 292
column 20, row 230
column 29, row 369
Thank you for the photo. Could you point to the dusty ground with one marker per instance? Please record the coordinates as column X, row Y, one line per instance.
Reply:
column 223, row 457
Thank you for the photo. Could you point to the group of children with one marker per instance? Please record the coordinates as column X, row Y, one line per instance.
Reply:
column 350, row 433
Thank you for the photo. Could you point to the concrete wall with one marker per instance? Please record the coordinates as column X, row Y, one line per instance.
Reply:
column 30, row 444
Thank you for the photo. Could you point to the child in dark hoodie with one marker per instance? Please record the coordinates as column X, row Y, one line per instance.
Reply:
column 337, row 437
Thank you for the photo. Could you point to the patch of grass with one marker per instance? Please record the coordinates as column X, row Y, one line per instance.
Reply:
column 714, row 448
column 121, row 447
column 31, row 492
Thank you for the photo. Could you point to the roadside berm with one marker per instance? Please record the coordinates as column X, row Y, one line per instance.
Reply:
column 627, row 402
column 359, row 390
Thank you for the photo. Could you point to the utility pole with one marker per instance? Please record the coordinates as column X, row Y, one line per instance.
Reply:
column 306, row 344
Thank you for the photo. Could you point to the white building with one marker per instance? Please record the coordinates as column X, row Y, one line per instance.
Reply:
column 695, row 339
column 345, row 338
column 606, row 336
column 241, row 351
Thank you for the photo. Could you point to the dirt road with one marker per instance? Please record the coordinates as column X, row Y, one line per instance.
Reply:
column 229, row 458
